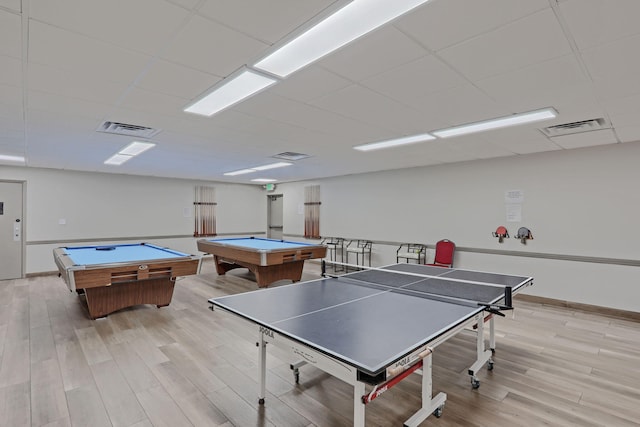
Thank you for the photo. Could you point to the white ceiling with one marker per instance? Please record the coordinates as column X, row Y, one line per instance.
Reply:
column 69, row 65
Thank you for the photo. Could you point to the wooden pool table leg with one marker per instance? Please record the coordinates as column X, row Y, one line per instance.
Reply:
column 105, row 300
column 265, row 275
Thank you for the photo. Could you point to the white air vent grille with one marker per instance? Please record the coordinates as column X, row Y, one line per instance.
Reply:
column 127, row 129
column 576, row 127
column 288, row 155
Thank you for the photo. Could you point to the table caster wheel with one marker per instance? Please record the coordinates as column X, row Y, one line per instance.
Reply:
column 490, row 366
column 475, row 383
column 438, row 411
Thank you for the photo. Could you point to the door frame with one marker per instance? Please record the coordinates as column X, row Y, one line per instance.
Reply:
column 23, row 233
column 269, row 213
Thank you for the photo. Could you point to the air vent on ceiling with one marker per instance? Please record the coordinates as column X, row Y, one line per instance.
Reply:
column 576, row 127
column 288, row 155
column 126, row 129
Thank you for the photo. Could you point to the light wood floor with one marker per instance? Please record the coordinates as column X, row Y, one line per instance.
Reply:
column 184, row 365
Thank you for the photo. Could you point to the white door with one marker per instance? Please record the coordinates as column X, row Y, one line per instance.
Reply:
column 274, row 216
column 10, row 230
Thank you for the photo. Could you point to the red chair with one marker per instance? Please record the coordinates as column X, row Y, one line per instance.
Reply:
column 444, row 253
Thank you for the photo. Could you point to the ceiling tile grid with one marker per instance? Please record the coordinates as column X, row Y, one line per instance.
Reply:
column 443, row 64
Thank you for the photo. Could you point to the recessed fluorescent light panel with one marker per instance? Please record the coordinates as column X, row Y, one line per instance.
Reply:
column 240, row 172
column 136, row 148
column 264, row 180
column 259, row 168
column 352, row 21
column 230, row 91
column 117, row 159
column 394, row 142
column 129, row 152
column 501, row 122
column 7, row 158
column 272, row 166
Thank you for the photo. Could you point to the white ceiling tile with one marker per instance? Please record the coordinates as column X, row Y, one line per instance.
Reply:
column 310, row 83
column 68, row 51
column 609, row 89
column 544, row 84
column 52, row 103
column 74, row 84
column 212, row 48
column 362, row 104
column 599, row 60
column 177, row 80
column 135, row 27
column 509, row 48
column 627, row 106
column 11, row 128
column 522, row 141
column 375, row 53
column 11, row 71
column 154, row 102
column 305, row 116
column 630, row 133
column 11, row 102
column 248, row 16
column 15, row 5
column 187, row 4
column 446, row 152
column 415, row 79
column 456, row 106
column 440, row 24
column 596, row 22
column 586, row 139
column 10, row 34
column 479, row 148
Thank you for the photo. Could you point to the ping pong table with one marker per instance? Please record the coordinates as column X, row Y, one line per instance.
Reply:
column 375, row 327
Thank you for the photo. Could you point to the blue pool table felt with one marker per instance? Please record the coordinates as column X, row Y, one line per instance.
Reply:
column 261, row 244
column 94, row 255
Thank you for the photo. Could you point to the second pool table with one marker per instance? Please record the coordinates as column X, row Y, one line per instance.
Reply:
column 269, row 260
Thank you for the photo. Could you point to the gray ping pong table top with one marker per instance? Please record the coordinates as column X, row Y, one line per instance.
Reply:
column 366, row 325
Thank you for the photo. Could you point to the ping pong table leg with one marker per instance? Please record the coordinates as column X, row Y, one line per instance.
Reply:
column 262, row 356
column 492, row 335
column 358, row 405
column 430, row 405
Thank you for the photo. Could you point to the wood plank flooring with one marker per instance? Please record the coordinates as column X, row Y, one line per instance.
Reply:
column 183, row 365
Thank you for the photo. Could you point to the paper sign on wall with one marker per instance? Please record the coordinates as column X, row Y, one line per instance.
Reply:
column 514, row 196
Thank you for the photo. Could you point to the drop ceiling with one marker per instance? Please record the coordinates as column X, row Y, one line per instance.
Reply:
column 69, row 66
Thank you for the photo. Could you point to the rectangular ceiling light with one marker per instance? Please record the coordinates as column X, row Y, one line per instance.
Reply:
column 394, row 142
column 347, row 24
column 129, row 152
column 500, row 122
column 264, row 180
column 7, row 158
column 272, row 166
column 136, row 148
column 230, row 91
column 117, row 159
column 240, row 172
column 259, row 168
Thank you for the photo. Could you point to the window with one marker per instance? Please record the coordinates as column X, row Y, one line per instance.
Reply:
column 312, row 211
column 204, row 208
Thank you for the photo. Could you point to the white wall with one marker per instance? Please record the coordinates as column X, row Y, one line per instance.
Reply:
column 578, row 203
column 582, row 203
column 101, row 207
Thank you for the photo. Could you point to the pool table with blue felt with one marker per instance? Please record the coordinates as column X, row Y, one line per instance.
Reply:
column 118, row 276
column 269, row 260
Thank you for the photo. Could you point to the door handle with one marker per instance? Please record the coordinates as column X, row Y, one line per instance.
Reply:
column 17, row 231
